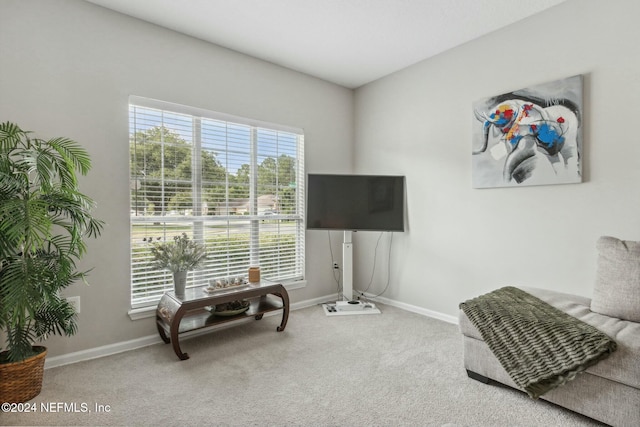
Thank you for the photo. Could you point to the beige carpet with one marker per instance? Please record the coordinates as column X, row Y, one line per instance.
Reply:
column 393, row 369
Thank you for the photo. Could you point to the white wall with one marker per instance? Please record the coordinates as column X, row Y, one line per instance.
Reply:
column 67, row 68
column 461, row 242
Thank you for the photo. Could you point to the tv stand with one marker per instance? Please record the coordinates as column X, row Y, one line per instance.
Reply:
column 347, row 267
column 348, row 306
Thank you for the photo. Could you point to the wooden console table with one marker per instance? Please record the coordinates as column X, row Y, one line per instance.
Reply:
column 175, row 316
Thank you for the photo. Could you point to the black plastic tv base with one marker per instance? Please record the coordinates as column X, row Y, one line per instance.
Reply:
column 478, row 377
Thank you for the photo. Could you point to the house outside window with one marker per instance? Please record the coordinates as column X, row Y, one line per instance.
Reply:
column 233, row 184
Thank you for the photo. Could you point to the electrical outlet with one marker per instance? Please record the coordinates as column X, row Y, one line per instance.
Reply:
column 335, row 265
column 75, row 302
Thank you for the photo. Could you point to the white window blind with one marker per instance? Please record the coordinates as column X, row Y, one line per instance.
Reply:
column 233, row 184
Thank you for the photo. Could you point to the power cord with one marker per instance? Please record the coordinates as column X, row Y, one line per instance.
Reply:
column 362, row 295
column 373, row 270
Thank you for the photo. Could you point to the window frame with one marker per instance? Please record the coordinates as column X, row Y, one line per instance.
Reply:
column 197, row 220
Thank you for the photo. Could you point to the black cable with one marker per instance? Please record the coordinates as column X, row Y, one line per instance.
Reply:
column 373, row 270
column 388, row 269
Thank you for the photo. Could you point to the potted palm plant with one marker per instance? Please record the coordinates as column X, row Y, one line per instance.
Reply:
column 178, row 256
column 44, row 220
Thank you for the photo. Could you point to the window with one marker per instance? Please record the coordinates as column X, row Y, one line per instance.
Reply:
column 233, row 184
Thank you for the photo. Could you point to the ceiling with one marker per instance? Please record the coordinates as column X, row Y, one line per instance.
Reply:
column 347, row 42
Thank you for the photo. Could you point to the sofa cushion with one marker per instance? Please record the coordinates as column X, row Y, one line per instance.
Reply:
column 617, row 288
column 621, row 366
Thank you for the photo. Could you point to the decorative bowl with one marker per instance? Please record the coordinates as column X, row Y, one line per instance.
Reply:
column 231, row 308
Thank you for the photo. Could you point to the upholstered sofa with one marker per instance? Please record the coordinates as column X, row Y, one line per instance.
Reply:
column 608, row 391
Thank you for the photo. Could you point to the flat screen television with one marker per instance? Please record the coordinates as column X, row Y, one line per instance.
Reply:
column 355, row 202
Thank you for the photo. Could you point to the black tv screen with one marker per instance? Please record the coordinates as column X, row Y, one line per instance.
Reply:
column 355, row 202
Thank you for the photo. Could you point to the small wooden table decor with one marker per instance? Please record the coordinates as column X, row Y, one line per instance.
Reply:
column 176, row 315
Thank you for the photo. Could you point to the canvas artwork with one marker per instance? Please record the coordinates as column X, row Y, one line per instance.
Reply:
column 531, row 136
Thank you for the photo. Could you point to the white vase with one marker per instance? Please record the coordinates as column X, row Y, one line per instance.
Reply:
column 180, row 283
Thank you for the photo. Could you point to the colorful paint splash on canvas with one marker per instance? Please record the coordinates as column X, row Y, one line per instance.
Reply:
column 529, row 137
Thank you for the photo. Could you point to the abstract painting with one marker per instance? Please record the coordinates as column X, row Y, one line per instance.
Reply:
column 531, row 136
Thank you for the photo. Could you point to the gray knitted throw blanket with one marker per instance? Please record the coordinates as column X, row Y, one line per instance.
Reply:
column 540, row 346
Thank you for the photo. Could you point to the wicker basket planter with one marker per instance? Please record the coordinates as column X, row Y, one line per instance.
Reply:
column 22, row 381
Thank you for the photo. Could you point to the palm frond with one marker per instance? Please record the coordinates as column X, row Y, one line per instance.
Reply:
column 73, row 153
column 19, row 345
column 56, row 316
column 10, row 136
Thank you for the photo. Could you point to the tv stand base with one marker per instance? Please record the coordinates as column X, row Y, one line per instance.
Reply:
column 347, row 308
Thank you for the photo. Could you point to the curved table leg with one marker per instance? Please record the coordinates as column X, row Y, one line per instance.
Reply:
column 162, row 333
column 175, row 326
column 285, row 309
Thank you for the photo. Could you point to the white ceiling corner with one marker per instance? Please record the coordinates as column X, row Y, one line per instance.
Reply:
column 347, row 42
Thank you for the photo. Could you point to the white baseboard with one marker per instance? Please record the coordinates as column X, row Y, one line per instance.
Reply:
column 419, row 310
column 110, row 349
column 96, row 352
